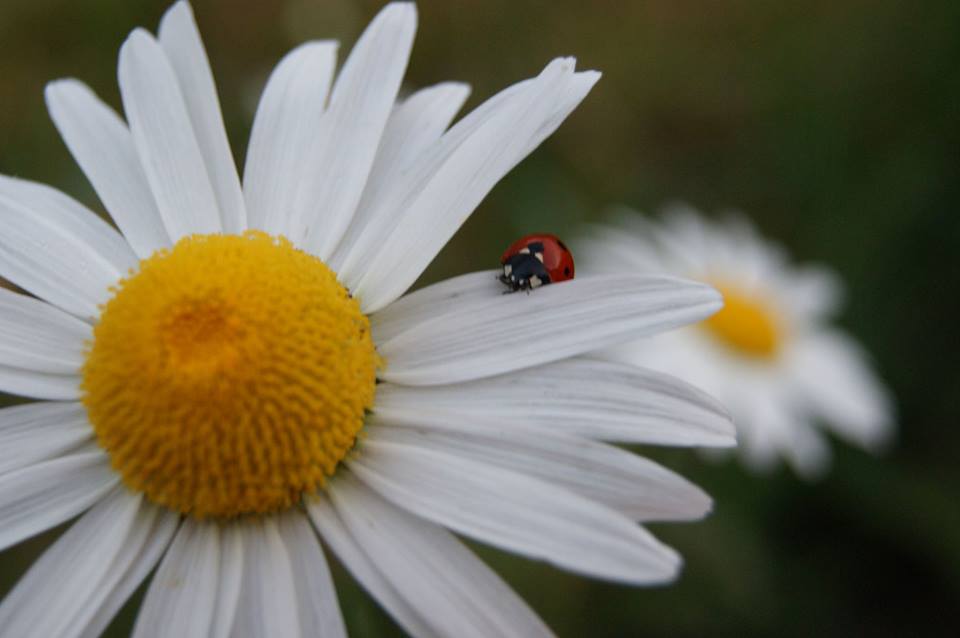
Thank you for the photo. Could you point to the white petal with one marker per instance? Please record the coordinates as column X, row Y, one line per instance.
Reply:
column 101, row 144
column 388, row 213
column 626, row 243
column 599, row 400
column 39, row 337
column 180, row 601
column 807, row 451
column 231, row 580
column 57, row 249
column 268, row 602
column 155, row 544
column 70, row 217
column 490, row 333
column 165, row 139
column 832, row 372
column 773, row 429
column 424, row 304
column 286, row 127
column 515, row 512
column 632, row 485
column 362, row 98
column 446, row 186
column 361, row 566
column 39, row 385
column 181, row 41
column 414, row 126
column 815, row 292
column 687, row 237
column 40, row 431
column 36, row 498
column 460, row 595
column 316, row 597
column 64, row 591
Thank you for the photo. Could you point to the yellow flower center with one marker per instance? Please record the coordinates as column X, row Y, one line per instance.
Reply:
column 229, row 376
column 745, row 324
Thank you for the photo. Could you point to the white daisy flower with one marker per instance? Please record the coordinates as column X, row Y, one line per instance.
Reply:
column 770, row 355
column 237, row 373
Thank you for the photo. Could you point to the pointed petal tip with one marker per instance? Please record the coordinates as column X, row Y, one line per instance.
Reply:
column 701, row 504
column 56, row 85
column 180, row 14
column 724, row 428
column 57, row 90
column 461, row 89
column 137, row 36
column 567, row 63
column 138, row 40
column 323, row 46
column 181, row 7
column 398, row 13
column 675, row 570
column 672, row 564
column 662, row 568
column 590, row 75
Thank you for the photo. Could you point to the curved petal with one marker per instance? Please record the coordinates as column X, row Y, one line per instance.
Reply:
column 362, row 98
column 434, row 300
column 816, row 292
column 267, row 606
column 414, row 126
column 39, row 385
column 364, row 570
column 316, row 596
column 432, row 569
column 164, row 526
column 597, row 400
column 181, row 41
column 71, row 217
column 38, row 337
column 232, row 564
column 37, row 432
column 286, row 126
column 632, row 485
column 487, row 333
column 448, row 183
column 71, row 583
column 833, row 376
column 515, row 512
column 165, row 140
column 181, row 598
column 35, row 498
column 807, row 451
column 57, row 249
column 101, row 144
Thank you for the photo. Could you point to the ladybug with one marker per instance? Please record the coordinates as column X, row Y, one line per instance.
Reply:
column 536, row 260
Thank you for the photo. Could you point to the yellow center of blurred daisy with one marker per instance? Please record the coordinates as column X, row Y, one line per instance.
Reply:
column 229, row 376
column 746, row 324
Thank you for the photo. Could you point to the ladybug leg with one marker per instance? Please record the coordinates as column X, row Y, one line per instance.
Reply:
column 505, row 280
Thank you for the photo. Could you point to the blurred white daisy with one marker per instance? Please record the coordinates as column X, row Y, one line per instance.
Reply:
column 236, row 374
column 770, row 355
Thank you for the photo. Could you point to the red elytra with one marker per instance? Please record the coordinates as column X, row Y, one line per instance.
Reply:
column 536, row 260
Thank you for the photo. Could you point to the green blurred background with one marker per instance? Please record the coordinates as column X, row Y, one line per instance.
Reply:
column 835, row 124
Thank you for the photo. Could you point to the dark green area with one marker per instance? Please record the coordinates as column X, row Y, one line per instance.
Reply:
column 834, row 124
